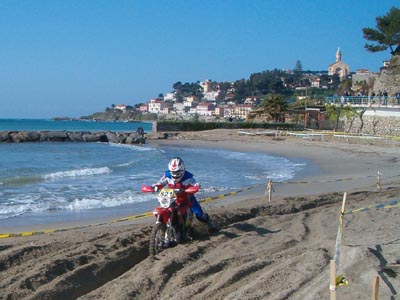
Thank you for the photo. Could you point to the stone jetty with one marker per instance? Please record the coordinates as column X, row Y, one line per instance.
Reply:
column 71, row 136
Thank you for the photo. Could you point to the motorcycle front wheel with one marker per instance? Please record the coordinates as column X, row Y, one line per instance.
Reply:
column 157, row 237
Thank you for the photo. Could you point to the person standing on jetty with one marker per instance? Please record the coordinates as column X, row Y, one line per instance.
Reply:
column 178, row 178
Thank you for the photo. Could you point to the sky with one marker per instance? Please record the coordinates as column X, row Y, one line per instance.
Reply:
column 73, row 58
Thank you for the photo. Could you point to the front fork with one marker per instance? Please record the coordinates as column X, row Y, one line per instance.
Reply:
column 170, row 232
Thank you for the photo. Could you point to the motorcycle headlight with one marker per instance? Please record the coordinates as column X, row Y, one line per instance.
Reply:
column 165, row 202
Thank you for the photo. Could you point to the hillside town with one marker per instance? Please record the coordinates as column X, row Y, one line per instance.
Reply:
column 212, row 102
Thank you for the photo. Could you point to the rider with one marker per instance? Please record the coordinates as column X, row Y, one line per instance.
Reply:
column 178, row 178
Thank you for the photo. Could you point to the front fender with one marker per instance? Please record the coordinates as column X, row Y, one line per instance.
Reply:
column 161, row 214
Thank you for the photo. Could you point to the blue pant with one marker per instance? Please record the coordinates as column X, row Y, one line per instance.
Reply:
column 197, row 210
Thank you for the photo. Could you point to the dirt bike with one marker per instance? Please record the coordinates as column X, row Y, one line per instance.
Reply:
column 173, row 219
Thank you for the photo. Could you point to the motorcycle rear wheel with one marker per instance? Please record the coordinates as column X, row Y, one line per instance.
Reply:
column 157, row 237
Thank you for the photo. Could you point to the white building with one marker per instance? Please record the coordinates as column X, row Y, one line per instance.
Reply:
column 155, row 106
column 179, row 108
column 121, row 107
column 205, row 109
column 169, row 97
column 211, row 96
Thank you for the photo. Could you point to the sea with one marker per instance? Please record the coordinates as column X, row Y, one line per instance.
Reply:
column 61, row 182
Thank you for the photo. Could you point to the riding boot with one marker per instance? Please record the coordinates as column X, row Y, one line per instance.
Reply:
column 211, row 226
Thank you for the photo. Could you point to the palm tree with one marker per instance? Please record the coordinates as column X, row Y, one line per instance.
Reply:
column 274, row 105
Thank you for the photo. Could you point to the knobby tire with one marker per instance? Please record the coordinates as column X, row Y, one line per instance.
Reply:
column 157, row 239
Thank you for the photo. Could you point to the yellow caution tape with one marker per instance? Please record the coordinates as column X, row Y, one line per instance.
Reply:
column 390, row 204
column 144, row 215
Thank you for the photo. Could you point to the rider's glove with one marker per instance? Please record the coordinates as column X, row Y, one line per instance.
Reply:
column 155, row 188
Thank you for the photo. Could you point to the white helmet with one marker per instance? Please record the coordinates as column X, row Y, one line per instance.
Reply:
column 176, row 168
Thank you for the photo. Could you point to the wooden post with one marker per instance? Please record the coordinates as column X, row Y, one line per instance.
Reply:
column 332, row 285
column 341, row 216
column 375, row 288
column 378, row 181
column 343, row 203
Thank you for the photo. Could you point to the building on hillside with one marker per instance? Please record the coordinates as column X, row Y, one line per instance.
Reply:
column 144, row 108
column 252, row 100
column 166, row 109
column 241, row 111
column 219, row 111
column 339, row 67
column 229, row 96
column 190, row 101
column 179, row 108
column 169, row 97
column 121, row 107
column 206, row 85
column 155, row 106
column 224, row 110
column 205, row 109
column 315, row 82
column 362, row 81
column 211, row 96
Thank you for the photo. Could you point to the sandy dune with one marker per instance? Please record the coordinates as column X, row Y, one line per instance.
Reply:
column 277, row 250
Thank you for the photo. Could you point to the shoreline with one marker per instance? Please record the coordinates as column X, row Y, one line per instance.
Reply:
column 331, row 160
column 323, row 173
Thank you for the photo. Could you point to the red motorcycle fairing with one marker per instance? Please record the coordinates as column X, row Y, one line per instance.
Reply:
column 162, row 214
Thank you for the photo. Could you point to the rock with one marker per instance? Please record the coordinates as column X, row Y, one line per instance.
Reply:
column 75, row 136
column 32, row 136
column 134, row 138
column 90, row 137
column 53, row 136
column 103, row 137
column 4, row 136
column 17, row 137
column 112, row 137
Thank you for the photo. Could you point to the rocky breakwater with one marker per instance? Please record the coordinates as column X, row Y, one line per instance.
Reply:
column 69, row 136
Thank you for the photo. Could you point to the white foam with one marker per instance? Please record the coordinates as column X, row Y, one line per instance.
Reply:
column 132, row 147
column 78, row 173
column 100, row 201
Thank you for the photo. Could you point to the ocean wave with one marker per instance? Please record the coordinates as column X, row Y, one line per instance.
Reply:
column 77, row 173
column 102, row 201
column 133, row 147
column 19, row 207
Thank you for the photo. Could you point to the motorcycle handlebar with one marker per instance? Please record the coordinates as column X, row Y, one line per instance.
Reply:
column 190, row 190
column 147, row 189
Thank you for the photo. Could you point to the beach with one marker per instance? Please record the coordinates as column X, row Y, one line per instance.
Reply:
column 264, row 250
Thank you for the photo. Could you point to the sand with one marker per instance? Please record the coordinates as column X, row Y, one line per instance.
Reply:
column 263, row 250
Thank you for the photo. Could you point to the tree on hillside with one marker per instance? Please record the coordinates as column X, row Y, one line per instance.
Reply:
column 298, row 67
column 387, row 34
